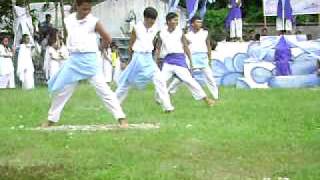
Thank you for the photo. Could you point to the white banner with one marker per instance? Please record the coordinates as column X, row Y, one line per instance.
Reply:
column 298, row 6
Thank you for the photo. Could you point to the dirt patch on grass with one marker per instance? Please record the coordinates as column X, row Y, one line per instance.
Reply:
column 31, row 172
column 108, row 127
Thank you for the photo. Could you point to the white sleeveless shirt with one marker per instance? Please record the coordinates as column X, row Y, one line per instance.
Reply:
column 82, row 36
column 198, row 41
column 171, row 41
column 145, row 37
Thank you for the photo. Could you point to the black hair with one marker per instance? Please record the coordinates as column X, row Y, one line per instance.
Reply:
column 48, row 15
column 2, row 39
column 79, row 2
column 170, row 16
column 150, row 12
column 195, row 18
column 52, row 39
column 23, row 39
column 114, row 44
column 257, row 37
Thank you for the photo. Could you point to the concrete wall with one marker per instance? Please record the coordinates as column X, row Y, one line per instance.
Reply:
column 114, row 13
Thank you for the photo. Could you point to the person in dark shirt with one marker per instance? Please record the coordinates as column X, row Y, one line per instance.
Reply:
column 45, row 26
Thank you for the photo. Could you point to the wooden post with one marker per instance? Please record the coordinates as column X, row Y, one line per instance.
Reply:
column 14, row 3
column 13, row 11
column 56, row 13
column 264, row 16
column 62, row 17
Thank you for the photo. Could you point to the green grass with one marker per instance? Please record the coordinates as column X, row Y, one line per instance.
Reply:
column 250, row 134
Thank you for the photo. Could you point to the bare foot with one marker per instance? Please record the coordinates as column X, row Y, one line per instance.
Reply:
column 209, row 102
column 47, row 124
column 123, row 123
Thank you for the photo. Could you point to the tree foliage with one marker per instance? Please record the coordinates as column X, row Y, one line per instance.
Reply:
column 6, row 16
column 214, row 21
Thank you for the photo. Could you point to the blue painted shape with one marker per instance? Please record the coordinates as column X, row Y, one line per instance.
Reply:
column 261, row 75
column 239, row 61
column 299, row 81
column 304, row 57
column 228, row 62
column 230, row 79
column 304, row 67
column 218, row 68
column 242, row 84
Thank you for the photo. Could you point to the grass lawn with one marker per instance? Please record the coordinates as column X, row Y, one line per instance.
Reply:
column 250, row 134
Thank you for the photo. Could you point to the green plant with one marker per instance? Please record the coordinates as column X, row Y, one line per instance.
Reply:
column 214, row 21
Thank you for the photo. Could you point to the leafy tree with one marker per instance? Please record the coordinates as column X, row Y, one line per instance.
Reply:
column 6, row 16
column 214, row 21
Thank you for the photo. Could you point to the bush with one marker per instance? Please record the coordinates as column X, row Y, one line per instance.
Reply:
column 214, row 21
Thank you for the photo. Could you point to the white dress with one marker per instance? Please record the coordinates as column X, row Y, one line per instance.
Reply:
column 54, row 60
column 6, row 68
column 25, row 68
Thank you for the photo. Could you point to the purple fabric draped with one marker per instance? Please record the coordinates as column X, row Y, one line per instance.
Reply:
column 282, row 58
column 192, row 6
column 234, row 13
column 178, row 59
column 203, row 8
column 287, row 9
